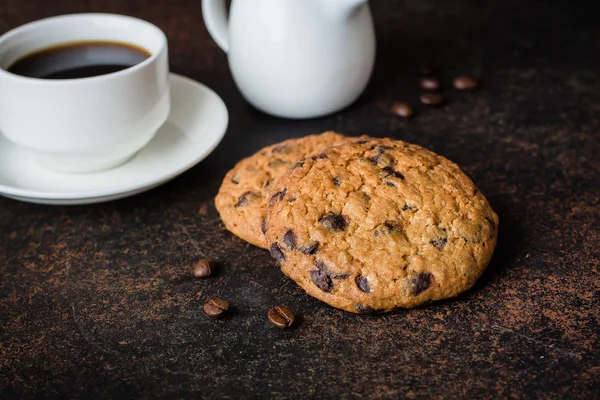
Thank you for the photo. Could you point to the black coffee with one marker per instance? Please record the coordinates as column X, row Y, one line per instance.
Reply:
column 79, row 60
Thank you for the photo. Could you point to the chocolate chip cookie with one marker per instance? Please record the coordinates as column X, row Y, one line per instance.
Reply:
column 244, row 194
column 380, row 224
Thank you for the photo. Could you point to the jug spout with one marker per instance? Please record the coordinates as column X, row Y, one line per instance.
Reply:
column 342, row 8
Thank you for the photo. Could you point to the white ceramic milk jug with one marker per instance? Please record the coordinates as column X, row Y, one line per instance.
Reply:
column 296, row 58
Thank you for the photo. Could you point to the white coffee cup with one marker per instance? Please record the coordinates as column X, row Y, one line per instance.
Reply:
column 85, row 124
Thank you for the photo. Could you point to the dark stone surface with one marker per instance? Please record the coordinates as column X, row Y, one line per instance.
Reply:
column 97, row 301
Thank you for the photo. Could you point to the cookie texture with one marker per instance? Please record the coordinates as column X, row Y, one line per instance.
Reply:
column 380, row 224
column 244, row 194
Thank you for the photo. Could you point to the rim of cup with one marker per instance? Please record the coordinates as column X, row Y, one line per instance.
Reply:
column 10, row 35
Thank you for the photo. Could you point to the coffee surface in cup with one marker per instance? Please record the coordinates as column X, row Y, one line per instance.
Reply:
column 79, row 60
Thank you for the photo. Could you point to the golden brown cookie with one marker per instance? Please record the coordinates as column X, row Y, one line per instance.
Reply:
column 380, row 224
column 243, row 196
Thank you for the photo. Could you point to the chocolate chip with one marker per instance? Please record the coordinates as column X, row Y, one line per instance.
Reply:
column 283, row 148
column 322, row 280
column 310, row 248
column 431, row 99
column 277, row 163
column 407, row 207
column 299, row 164
column 276, row 253
column 290, row 239
column 391, row 225
column 321, row 265
column 216, row 308
column 362, row 309
column 383, row 159
column 235, row 179
column 245, row 198
column 492, row 227
column 419, row 283
column 263, row 225
column 363, row 283
column 381, row 148
column 292, row 199
column 430, row 84
column 203, row 268
column 322, row 156
column 387, row 228
column 366, row 196
column 391, row 172
column 337, row 181
column 427, row 68
column 333, row 222
column 392, row 184
column 402, row 110
column 281, row 316
column 268, row 183
column 340, row 277
column 278, row 196
column 363, row 141
column 439, row 243
column 465, row 82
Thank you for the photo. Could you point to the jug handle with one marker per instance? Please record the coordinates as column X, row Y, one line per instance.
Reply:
column 215, row 19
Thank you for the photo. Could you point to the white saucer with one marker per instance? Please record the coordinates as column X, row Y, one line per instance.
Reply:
column 196, row 125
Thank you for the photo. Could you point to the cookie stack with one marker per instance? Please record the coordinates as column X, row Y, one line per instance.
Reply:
column 362, row 224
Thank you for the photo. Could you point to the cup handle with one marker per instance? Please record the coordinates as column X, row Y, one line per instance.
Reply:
column 215, row 19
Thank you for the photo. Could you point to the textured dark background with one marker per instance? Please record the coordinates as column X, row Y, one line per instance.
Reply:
column 94, row 300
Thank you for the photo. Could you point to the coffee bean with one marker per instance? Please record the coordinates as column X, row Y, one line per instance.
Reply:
column 465, row 82
column 333, row 222
column 431, row 99
column 418, row 284
column 402, row 110
column 430, row 84
column 363, row 283
column 427, row 68
column 281, row 316
column 216, row 308
column 290, row 239
column 276, row 253
column 204, row 268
